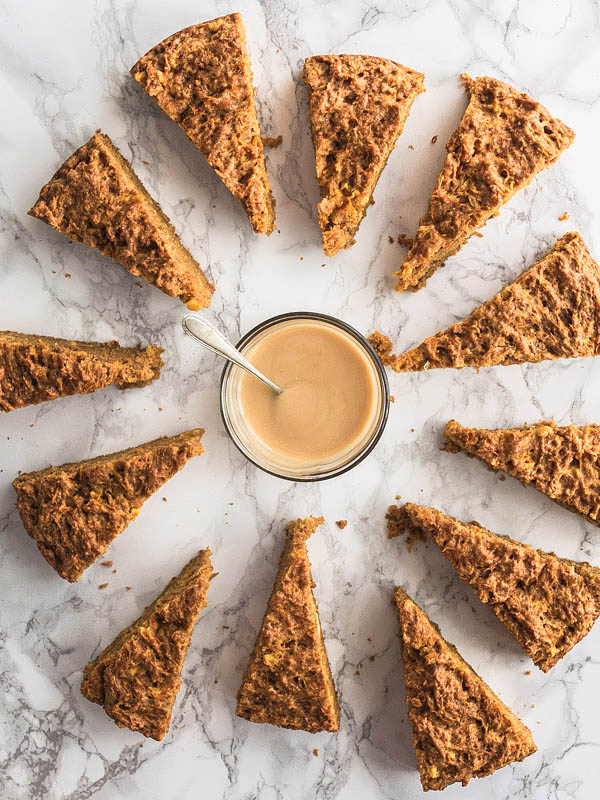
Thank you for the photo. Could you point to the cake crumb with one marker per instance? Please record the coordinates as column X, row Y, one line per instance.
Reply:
column 410, row 147
column 405, row 240
column 528, row 672
column 272, row 141
column 316, row 751
column 479, row 234
column 383, row 346
column 106, row 563
column 392, row 399
column 164, row 499
column 139, row 283
column 102, row 585
column 371, row 658
column 67, row 274
column 391, row 239
column 128, row 588
column 434, row 139
column 341, row 523
column 226, row 627
column 564, row 216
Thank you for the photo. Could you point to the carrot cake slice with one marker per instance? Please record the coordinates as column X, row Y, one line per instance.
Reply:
column 201, row 77
column 35, row 368
column 137, row 677
column 547, row 603
column 358, row 106
column 503, row 140
column 96, row 198
column 561, row 462
column 461, row 729
column 287, row 681
column 548, row 312
column 73, row 512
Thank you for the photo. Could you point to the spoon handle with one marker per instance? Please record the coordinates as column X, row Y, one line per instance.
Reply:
column 205, row 333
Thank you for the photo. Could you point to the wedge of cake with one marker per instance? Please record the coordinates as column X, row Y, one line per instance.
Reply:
column 358, row 106
column 97, row 199
column 137, row 677
column 547, row 603
column 201, row 77
column 461, row 729
column 35, row 368
column 287, row 681
column 503, row 140
column 561, row 462
column 73, row 512
column 548, row 312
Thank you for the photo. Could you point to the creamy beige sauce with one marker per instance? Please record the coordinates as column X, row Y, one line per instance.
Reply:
column 330, row 392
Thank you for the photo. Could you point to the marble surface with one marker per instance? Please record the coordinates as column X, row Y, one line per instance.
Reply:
column 65, row 73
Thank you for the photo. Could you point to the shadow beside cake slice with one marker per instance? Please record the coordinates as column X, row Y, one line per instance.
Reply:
column 502, row 142
column 97, row 199
column 461, row 729
column 201, row 77
column 547, row 603
column 287, row 681
column 358, row 106
column 548, row 312
column 73, row 512
column 137, row 677
column 35, row 368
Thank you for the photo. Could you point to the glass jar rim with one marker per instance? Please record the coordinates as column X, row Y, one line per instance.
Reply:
column 379, row 370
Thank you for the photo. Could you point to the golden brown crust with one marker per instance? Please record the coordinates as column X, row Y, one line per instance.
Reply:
column 503, row 140
column 547, row 603
column 73, row 512
column 287, row 681
column 97, row 199
column 358, row 106
column 201, row 77
column 461, row 729
column 561, row 462
column 137, row 677
column 35, row 368
column 550, row 311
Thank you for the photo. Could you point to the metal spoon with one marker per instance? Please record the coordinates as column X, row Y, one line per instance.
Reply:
column 207, row 335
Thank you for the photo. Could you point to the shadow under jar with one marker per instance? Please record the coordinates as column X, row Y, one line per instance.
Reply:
column 334, row 406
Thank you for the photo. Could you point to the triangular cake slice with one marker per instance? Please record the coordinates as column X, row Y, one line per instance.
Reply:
column 201, row 77
column 503, row 140
column 73, row 512
column 97, row 199
column 548, row 312
column 358, row 106
column 547, row 603
column 287, row 681
column 35, row 368
column 561, row 462
column 461, row 729
column 137, row 677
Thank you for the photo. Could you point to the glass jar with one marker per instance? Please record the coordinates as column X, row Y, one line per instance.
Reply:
column 256, row 451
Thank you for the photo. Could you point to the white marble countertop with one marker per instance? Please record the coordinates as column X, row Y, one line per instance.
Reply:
column 65, row 73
